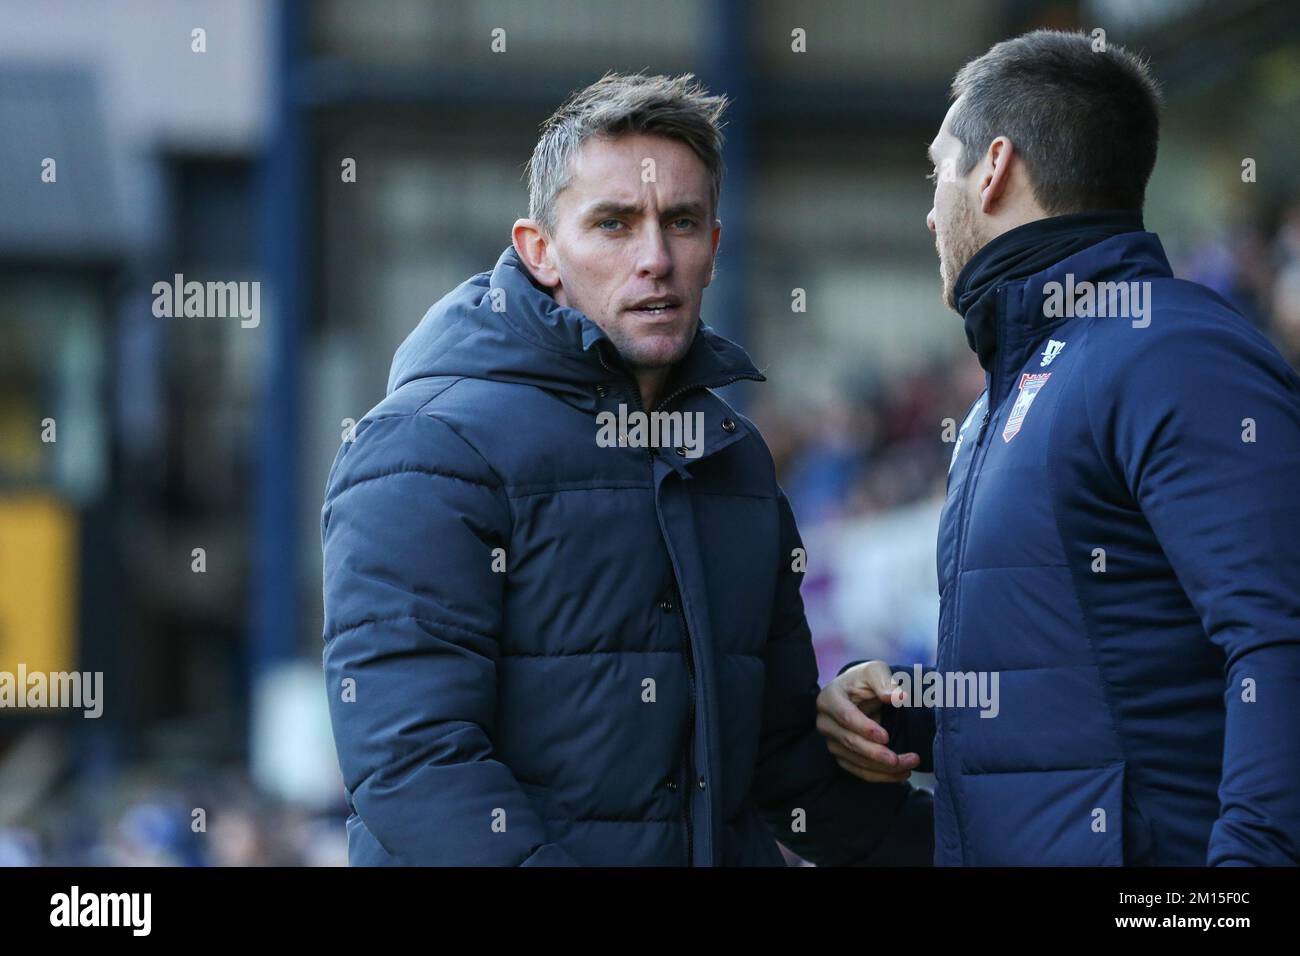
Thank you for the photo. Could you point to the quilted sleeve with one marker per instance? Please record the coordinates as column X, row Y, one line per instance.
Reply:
column 413, row 615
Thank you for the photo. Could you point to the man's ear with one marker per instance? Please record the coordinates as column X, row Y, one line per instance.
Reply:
column 996, row 179
column 534, row 248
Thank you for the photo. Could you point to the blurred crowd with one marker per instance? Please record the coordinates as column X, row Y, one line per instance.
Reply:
column 213, row 819
column 872, row 452
column 865, row 475
column 1255, row 265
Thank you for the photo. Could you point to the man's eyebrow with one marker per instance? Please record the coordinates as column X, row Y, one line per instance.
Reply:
column 690, row 207
column 610, row 207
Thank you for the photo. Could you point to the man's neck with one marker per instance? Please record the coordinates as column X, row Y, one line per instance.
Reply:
column 651, row 382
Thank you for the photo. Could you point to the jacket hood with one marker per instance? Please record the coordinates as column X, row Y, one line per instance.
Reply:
column 504, row 327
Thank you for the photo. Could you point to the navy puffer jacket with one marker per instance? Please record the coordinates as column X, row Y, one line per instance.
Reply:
column 544, row 651
column 1121, row 544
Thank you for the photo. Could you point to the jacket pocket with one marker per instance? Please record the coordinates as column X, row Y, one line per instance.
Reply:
column 1044, row 817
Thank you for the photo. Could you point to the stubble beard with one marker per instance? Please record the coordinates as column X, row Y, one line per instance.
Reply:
column 960, row 241
column 638, row 358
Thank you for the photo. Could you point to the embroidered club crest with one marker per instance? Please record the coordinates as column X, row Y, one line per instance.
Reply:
column 1030, row 386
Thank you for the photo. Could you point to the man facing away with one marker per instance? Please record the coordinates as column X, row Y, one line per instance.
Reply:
column 560, row 630
column 1120, row 543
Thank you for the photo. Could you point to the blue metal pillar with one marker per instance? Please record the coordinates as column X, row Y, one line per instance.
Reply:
column 283, row 209
column 728, row 302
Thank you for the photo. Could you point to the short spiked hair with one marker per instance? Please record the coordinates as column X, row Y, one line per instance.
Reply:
column 1084, row 115
column 676, row 107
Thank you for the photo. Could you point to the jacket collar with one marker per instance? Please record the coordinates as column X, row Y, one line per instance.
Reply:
column 532, row 312
column 1000, row 292
column 502, row 326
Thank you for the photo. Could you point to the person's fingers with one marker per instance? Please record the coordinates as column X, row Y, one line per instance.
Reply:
column 879, row 678
column 846, row 720
column 870, row 777
column 854, row 765
column 835, row 702
column 870, row 685
column 872, row 756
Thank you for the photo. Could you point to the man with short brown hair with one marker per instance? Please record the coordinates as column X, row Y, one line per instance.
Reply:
column 563, row 621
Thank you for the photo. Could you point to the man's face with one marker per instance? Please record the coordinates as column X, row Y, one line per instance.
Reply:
column 955, row 217
column 634, row 242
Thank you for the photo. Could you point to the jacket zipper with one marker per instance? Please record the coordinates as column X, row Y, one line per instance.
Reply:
column 968, row 491
column 953, row 619
column 690, row 388
column 688, row 653
column 688, row 650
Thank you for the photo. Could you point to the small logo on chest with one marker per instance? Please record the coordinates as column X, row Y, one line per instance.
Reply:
column 1030, row 386
column 1052, row 351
